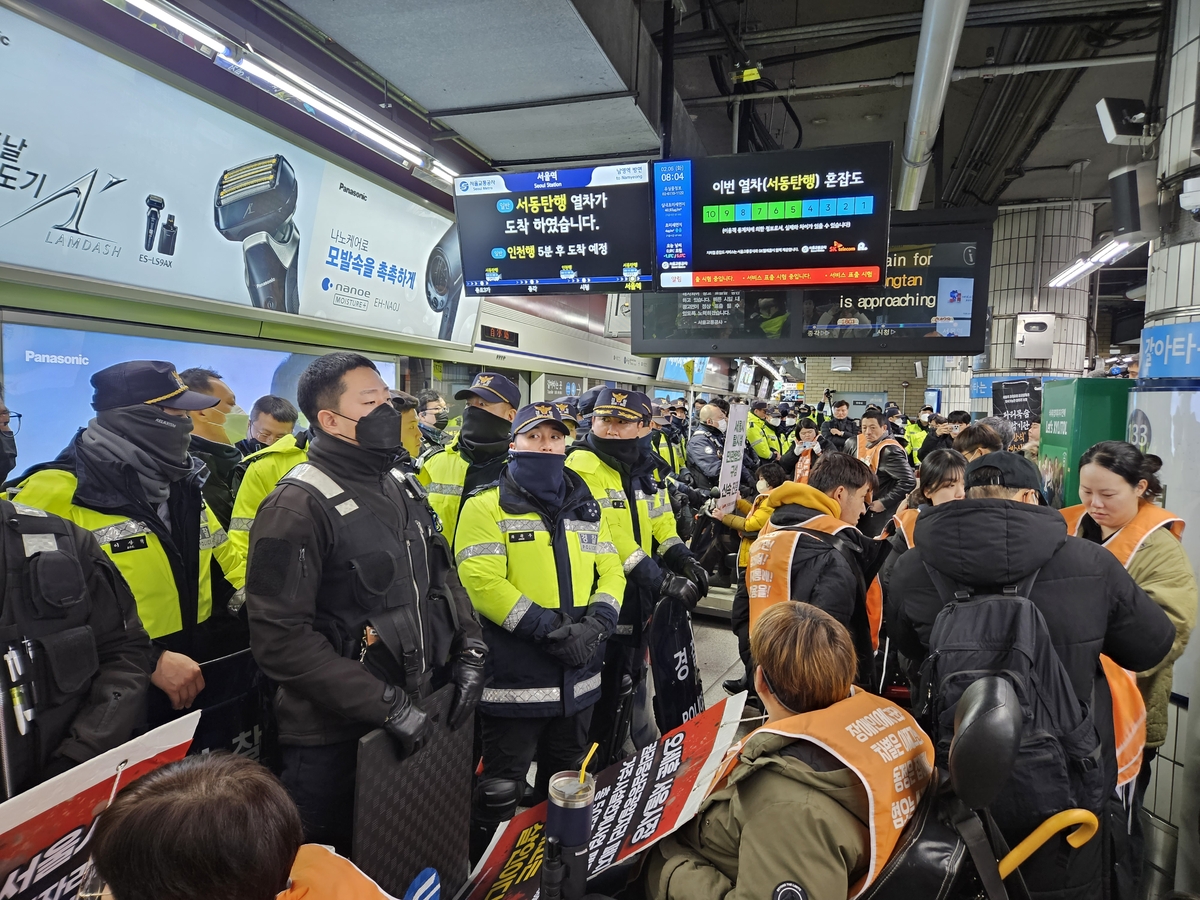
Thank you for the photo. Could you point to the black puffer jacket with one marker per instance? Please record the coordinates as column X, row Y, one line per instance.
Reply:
column 1090, row 604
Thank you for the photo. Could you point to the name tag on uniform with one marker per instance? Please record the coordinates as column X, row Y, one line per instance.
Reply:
column 124, row 545
column 520, row 537
column 618, row 504
column 588, row 541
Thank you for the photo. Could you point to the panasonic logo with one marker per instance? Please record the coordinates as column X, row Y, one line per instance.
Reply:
column 55, row 359
column 353, row 193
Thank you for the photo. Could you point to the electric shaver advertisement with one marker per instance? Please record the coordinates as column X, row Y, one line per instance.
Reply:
column 178, row 196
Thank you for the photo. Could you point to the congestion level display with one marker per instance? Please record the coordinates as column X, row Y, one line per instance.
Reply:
column 556, row 230
column 773, row 220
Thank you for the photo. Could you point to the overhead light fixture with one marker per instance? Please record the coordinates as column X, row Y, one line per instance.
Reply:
column 181, row 22
column 775, row 373
column 1107, row 253
column 289, row 87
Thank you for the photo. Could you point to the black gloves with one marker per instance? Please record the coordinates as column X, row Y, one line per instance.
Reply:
column 696, row 573
column 408, row 724
column 676, row 587
column 575, row 644
column 469, row 680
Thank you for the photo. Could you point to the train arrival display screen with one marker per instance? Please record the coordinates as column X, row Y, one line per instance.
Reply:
column 556, row 231
column 790, row 219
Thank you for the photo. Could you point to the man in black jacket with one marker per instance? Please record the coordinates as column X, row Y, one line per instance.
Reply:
column 210, row 441
column 841, row 432
column 998, row 536
column 354, row 609
column 942, row 436
column 887, row 459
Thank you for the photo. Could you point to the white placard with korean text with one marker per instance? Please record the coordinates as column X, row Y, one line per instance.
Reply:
column 731, row 459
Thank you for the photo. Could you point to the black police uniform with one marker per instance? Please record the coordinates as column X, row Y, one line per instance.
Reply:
column 74, row 651
column 345, row 541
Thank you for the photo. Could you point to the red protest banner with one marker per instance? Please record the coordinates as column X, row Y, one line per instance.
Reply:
column 639, row 801
column 44, row 845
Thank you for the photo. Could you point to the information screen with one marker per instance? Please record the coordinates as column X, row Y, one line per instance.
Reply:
column 556, row 231
column 793, row 218
column 932, row 298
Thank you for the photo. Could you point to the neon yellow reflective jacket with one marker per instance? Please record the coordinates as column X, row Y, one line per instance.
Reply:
column 136, row 550
column 760, row 437
column 655, row 522
column 443, row 473
column 263, row 469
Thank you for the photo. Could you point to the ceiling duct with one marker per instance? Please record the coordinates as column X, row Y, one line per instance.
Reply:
column 941, row 30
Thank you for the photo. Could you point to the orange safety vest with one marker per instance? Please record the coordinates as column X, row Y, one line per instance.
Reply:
column 871, row 455
column 769, row 574
column 320, row 874
column 880, row 743
column 804, row 464
column 1129, row 707
column 906, row 524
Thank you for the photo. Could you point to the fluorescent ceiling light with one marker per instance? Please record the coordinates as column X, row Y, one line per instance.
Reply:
column 179, row 23
column 770, row 368
column 1107, row 253
column 1108, row 250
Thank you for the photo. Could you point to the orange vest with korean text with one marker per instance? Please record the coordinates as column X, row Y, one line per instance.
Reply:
column 871, row 455
column 1129, row 707
column 320, row 874
column 881, row 744
column 804, row 464
column 769, row 574
column 906, row 524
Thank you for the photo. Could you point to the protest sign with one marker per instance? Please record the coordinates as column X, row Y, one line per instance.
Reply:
column 731, row 459
column 44, row 845
column 1020, row 402
column 639, row 801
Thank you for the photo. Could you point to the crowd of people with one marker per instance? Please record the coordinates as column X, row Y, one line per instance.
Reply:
column 377, row 556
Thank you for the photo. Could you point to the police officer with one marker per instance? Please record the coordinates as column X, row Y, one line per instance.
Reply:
column 760, row 437
column 433, row 415
column 568, row 408
column 128, row 478
column 344, row 560
column 530, row 549
column 662, row 442
column 613, row 462
column 479, row 451
column 76, row 663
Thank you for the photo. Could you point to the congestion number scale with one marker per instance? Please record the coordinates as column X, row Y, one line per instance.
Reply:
column 556, row 231
column 791, row 219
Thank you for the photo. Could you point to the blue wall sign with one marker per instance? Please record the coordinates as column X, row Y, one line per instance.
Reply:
column 1171, row 351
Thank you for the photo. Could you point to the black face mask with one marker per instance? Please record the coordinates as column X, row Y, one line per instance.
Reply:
column 379, row 429
column 625, row 451
column 481, row 427
column 8, row 453
column 164, row 437
column 541, row 476
column 441, row 419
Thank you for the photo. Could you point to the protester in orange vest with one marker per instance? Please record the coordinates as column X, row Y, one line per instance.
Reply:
column 1118, row 485
column 814, row 553
column 887, row 459
column 806, row 810
column 214, row 826
column 804, row 452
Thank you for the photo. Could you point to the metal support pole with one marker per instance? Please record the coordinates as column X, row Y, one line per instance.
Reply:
column 737, row 121
column 666, row 103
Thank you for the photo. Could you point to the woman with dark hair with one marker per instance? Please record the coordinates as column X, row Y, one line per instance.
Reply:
column 1118, row 485
column 214, row 826
column 941, row 481
column 805, row 807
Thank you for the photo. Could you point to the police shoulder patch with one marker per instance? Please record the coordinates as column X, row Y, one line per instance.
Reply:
column 789, row 890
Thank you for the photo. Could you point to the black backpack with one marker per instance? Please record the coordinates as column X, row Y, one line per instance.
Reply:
column 1058, row 765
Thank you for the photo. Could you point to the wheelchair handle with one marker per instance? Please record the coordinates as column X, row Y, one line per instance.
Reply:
column 1058, row 822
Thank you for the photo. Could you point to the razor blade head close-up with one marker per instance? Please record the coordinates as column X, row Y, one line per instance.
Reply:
column 258, row 196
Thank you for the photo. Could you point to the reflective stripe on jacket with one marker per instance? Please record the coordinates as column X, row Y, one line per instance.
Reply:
column 519, row 576
column 263, row 470
column 136, row 550
column 443, row 473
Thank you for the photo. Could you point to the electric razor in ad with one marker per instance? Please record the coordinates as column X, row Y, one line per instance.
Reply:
column 254, row 204
column 154, row 207
column 444, row 280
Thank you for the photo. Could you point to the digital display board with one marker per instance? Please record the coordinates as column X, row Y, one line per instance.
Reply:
column 932, row 298
column 556, row 231
column 789, row 219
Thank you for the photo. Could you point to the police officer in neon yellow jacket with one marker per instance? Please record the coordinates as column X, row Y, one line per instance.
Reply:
column 760, row 437
column 256, row 476
column 477, row 454
column 129, row 479
column 616, row 462
column 538, row 562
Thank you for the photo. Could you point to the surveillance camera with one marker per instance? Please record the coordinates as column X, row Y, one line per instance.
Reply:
column 1189, row 196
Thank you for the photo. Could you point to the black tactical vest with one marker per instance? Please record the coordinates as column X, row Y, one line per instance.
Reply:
column 392, row 581
column 48, row 651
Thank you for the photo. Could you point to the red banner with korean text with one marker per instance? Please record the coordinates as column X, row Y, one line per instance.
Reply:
column 639, row 801
column 44, row 844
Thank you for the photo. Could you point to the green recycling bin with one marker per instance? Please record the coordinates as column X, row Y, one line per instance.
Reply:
column 1077, row 413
